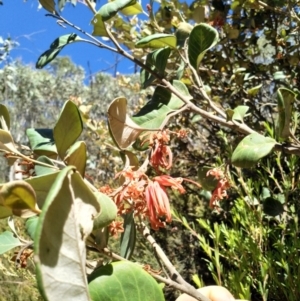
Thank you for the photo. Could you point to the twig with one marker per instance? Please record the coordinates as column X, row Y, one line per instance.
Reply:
column 175, row 276
column 183, row 287
column 91, row 7
column 96, row 41
column 239, row 127
column 21, row 156
column 201, row 86
column 109, row 33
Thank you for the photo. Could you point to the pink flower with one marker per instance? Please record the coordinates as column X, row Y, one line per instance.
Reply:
column 168, row 181
column 161, row 154
column 158, row 205
column 219, row 193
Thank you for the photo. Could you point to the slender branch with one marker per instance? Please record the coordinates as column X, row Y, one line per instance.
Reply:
column 91, row 7
column 109, row 33
column 201, row 87
column 175, row 276
column 161, row 254
column 240, row 127
column 96, row 41
column 184, row 108
column 21, row 156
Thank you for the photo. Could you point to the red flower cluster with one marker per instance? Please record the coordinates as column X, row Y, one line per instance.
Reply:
column 157, row 199
column 220, row 191
column 148, row 199
column 161, row 154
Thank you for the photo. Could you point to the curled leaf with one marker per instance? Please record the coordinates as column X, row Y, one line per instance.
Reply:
column 55, row 48
column 20, row 197
column 123, row 129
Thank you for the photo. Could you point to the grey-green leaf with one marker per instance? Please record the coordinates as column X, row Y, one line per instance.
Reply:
column 202, row 38
column 285, row 100
column 55, row 48
column 157, row 40
column 68, row 128
column 4, row 118
column 59, row 244
column 41, row 170
column 156, row 61
column 31, row 225
column 123, row 281
column 42, row 142
column 108, row 211
column 128, row 237
column 251, row 149
column 110, row 9
column 8, row 241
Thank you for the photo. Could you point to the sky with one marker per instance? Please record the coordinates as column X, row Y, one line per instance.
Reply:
column 28, row 25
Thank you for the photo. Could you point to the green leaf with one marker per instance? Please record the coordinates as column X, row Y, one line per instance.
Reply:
column 158, row 40
column 207, row 182
column 41, row 170
column 153, row 114
column 68, row 128
column 76, row 156
column 123, row 130
column 7, row 142
column 265, row 193
column 41, row 186
column 132, row 9
column 180, row 70
column 59, row 244
column 4, row 118
column 202, row 38
column 156, row 111
column 31, row 225
column 123, row 281
column 8, row 241
column 42, row 142
column 285, row 101
column 108, row 10
column 108, row 211
column 55, row 48
column 254, row 91
column 237, row 114
column 272, row 207
column 251, row 149
column 20, row 197
column 156, row 61
column 48, row 5
column 128, row 237
column 5, row 212
column 99, row 26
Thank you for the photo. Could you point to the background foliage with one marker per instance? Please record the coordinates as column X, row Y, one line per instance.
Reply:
column 250, row 244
